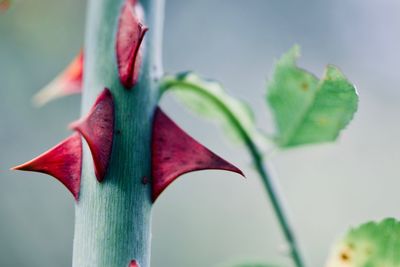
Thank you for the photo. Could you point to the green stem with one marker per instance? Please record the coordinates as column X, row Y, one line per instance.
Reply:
column 283, row 220
column 267, row 179
column 113, row 218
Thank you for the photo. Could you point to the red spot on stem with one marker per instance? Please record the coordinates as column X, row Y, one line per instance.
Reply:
column 63, row 162
column 67, row 83
column 134, row 264
column 175, row 153
column 130, row 35
column 97, row 127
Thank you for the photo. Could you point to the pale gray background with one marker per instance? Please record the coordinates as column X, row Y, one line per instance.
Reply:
column 207, row 218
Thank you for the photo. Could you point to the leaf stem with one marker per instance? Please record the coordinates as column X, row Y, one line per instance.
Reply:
column 287, row 229
column 255, row 152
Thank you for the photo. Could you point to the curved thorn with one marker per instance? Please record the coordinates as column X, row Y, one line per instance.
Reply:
column 130, row 35
column 134, row 263
column 175, row 153
column 97, row 127
column 63, row 162
column 66, row 83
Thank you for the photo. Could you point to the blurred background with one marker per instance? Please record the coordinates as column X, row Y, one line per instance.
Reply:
column 212, row 217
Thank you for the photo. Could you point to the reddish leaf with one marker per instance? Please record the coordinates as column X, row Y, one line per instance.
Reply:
column 129, row 37
column 67, row 83
column 175, row 153
column 98, row 130
column 4, row 5
column 134, row 264
column 63, row 162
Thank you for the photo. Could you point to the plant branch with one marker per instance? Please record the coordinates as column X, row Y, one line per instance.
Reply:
column 277, row 204
column 257, row 157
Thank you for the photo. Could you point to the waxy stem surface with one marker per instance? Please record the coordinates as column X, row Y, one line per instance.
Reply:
column 113, row 218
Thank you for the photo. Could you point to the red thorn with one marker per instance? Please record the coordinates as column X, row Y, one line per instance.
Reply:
column 134, row 263
column 175, row 153
column 67, row 83
column 130, row 35
column 97, row 127
column 63, row 162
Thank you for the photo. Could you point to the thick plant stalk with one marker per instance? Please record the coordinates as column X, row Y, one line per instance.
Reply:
column 113, row 218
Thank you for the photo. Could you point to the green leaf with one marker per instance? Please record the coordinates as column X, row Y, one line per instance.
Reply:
column 208, row 99
column 306, row 110
column 370, row 245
